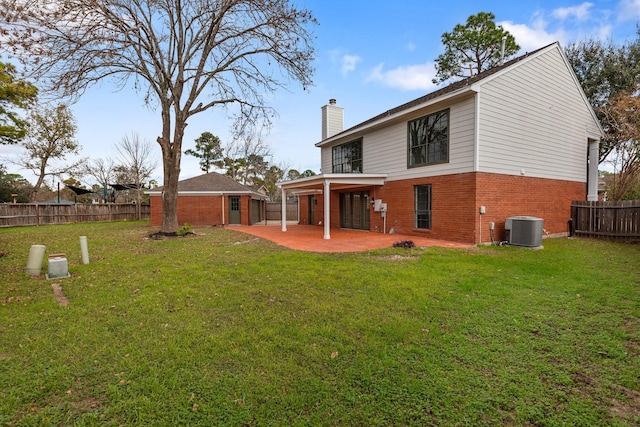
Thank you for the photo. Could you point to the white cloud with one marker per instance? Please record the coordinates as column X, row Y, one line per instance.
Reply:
column 580, row 12
column 349, row 63
column 604, row 32
column 535, row 36
column 408, row 77
column 629, row 10
column 566, row 25
column 346, row 62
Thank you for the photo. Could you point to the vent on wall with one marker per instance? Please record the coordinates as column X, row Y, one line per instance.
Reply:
column 524, row 231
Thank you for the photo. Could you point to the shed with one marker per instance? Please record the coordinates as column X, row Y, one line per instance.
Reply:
column 211, row 199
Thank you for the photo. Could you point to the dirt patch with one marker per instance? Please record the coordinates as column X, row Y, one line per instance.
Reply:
column 60, row 296
column 397, row 257
column 9, row 300
column 161, row 235
column 628, row 408
column 244, row 242
column 87, row 404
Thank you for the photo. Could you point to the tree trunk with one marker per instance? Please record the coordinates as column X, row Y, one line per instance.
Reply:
column 36, row 188
column 170, row 199
column 170, row 191
column 139, row 191
column 171, row 153
column 138, row 201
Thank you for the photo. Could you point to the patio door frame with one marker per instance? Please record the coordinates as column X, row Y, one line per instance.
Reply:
column 355, row 210
column 312, row 208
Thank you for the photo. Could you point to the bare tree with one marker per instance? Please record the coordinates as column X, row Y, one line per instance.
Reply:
column 245, row 158
column 623, row 125
column 607, row 72
column 186, row 57
column 51, row 137
column 135, row 156
column 103, row 172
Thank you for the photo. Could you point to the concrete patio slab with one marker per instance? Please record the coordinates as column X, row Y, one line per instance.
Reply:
column 309, row 238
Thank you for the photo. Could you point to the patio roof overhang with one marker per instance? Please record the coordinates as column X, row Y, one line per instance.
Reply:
column 324, row 184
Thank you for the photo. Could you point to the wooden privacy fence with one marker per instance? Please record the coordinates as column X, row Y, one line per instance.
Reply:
column 614, row 220
column 274, row 211
column 23, row 214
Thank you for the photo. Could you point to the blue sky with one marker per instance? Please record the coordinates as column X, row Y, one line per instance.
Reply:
column 371, row 55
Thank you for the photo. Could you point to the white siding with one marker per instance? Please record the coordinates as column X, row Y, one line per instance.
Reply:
column 385, row 149
column 332, row 120
column 534, row 121
column 325, row 163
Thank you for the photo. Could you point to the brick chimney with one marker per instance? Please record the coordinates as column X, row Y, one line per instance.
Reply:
column 332, row 119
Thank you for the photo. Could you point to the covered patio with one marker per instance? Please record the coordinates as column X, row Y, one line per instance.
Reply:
column 309, row 238
column 324, row 184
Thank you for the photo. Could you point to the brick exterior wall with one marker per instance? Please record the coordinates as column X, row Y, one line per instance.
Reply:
column 155, row 214
column 506, row 195
column 201, row 210
column 303, row 209
column 456, row 201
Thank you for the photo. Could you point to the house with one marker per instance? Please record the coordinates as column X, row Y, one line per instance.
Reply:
column 517, row 140
column 211, row 199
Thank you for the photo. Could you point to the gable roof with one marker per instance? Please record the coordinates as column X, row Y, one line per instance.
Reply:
column 457, row 86
column 211, row 182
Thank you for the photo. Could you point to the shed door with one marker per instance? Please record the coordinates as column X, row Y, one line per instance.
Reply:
column 234, row 209
column 256, row 211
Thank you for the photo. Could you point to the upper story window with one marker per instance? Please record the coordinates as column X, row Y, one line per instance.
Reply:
column 347, row 158
column 428, row 139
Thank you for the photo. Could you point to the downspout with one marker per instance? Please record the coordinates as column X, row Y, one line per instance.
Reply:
column 476, row 137
column 222, row 209
column 283, row 214
column 592, row 170
column 476, row 153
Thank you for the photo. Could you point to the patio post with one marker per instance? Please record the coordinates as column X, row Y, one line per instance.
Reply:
column 283, row 217
column 327, row 209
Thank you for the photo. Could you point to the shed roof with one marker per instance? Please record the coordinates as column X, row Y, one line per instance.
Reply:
column 209, row 182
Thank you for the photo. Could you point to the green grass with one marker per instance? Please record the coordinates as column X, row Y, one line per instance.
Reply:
column 222, row 328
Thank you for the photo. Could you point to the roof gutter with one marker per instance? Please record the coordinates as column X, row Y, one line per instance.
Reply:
column 333, row 178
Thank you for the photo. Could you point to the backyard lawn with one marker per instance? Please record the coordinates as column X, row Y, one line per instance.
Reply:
column 222, row 328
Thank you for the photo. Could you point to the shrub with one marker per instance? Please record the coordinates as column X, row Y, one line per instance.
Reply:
column 407, row 244
column 185, row 230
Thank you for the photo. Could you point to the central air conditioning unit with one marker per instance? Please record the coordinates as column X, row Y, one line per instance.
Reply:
column 524, row 231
